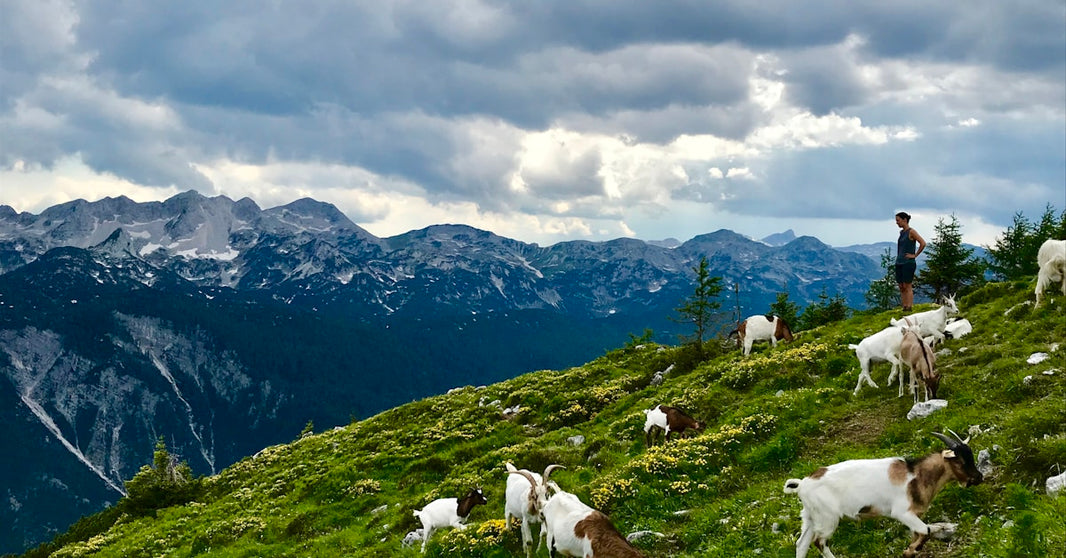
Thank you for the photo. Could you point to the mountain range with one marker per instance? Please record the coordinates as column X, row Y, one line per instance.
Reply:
column 223, row 328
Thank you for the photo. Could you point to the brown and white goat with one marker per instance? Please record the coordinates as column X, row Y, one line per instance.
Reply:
column 668, row 419
column 763, row 328
column 448, row 512
column 526, row 501
column 575, row 529
column 895, row 487
column 921, row 361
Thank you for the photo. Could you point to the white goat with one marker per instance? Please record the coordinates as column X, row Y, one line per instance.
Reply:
column 882, row 346
column 575, row 529
column 931, row 322
column 527, row 493
column 957, row 328
column 763, row 328
column 448, row 512
column 1051, row 260
column 921, row 362
column 899, row 488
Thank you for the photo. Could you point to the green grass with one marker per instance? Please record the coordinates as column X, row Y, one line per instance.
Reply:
column 779, row 413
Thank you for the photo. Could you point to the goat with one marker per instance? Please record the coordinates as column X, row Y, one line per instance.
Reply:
column 575, row 529
column 763, row 328
column 527, row 502
column 668, row 419
column 931, row 322
column 920, row 361
column 957, row 328
column 1051, row 260
column 882, row 346
column 448, row 512
column 899, row 488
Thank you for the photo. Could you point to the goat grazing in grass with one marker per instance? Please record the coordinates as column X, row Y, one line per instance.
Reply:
column 526, row 501
column 882, row 346
column 899, row 488
column 1051, row 260
column 668, row 419
column 920, row 360
column 448, row 512
column 931, row 322
column 763, row 328
column 575, row 529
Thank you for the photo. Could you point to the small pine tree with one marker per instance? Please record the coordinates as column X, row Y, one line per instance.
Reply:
column 951, row 268
column 165, row 483
column 883, row 293
column 826, row 310
column 786, row 309
column 1013, row 255
column 700, row 307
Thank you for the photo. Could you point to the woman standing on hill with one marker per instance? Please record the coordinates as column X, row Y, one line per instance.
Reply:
column 908, row 246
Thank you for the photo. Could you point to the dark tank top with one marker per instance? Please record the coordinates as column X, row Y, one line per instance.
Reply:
column 905, row 245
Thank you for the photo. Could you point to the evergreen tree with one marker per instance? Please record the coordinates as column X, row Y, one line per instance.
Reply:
column 1013, row 255
column 786, row 309
column 883, row 293
column 951, row 268
column 165, row 483
column 826, row 310
column 699, row 308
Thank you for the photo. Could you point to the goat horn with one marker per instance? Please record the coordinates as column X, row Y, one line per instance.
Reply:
column 525, row 473
column 548, row 470
column 952, row 444
column 959, row 438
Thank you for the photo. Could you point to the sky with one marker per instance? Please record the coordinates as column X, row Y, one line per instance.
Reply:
column 550, row 120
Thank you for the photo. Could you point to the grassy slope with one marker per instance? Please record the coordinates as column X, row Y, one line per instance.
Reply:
column 350, row 491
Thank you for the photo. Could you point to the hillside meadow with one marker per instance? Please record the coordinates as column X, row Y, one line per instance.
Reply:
column 780, row 413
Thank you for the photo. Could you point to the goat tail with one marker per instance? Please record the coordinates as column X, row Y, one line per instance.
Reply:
column 510, row 468
column 792, row 486
column 852, row 346
column 417, row 513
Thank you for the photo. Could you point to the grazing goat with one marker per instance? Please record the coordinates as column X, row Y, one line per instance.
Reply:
column 931, row 322
column 527, row 502
column 763, row 328
column 921, row 361
column 861, row 488
column 575, row 529
column 1051, row 261
column 882, row 346
column 448, row 512
column 668, row 419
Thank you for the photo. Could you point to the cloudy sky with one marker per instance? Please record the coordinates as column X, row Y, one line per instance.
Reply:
column 549, row 120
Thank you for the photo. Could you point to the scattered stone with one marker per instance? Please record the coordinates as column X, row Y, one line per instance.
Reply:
column 1037, row 358
column 943, row 531
column 984, row 462
column 1027, row 380
column 1055, row 484
column 944, row 352
column 963, row 349
column 779, row 393
column 510, row 412
column 1008, row 524
column 456, row 390
column 576, row 440
column 379, row 509
column 926, row 408
column 413, row 537
column 1051, row 372
column 682, row 512
column 1054, row 347
column 641, row 534
column 775, row 528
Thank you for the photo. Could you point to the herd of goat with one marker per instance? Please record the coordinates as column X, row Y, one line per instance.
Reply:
column 902, row 489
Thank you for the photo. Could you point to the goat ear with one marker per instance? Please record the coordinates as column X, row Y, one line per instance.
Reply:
column 948, row 454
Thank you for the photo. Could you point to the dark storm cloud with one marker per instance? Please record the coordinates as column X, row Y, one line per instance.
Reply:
column 409, row 89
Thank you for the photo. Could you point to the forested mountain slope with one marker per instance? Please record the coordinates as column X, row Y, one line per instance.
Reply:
column 779, row 413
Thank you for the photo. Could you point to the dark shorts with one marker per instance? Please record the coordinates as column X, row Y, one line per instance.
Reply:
column 905, row 271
